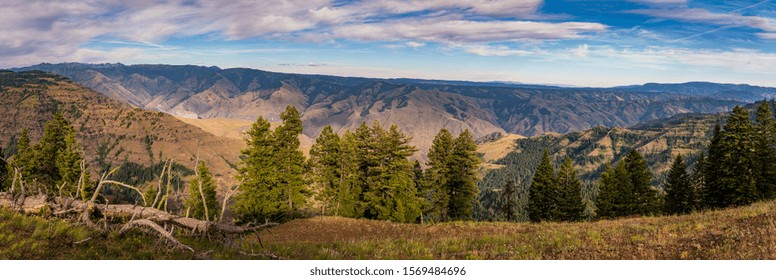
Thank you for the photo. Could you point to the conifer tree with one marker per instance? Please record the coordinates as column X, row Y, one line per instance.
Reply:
column 391, row 193
column 543, row 193
column 291, row 163
column 508, row 200
column 325, row 165
column 644, row 200
column 258, row 199
column 765, row 149
column 436, row 195
column 23, row 159
column 714, row 190
column 462, row 190
column 68, row 164
column 349, row 200
column 738, row 170
column 202, row 186
column 608, row 193
column 698, row 181
column 46, row 152
column 570, row 200
column 680, row 195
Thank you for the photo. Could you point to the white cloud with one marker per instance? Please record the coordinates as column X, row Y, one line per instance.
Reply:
column 484, row 50
column 464, row 31
column 706, row 16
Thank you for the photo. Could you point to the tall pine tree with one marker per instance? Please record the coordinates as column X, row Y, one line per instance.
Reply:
column 644, row 200
column 462, row 182
column 325, row 156
column 570, row 200
column 680, row 195
column 714, row 191
column 258, row 197
column 765, row 146
column 738, row 168
column 435, row 194
column 543, row 192
column 290, row 163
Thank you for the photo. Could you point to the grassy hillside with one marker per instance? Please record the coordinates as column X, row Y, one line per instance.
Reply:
column 741, row 233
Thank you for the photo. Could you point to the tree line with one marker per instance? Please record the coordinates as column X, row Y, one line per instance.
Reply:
column 735, row 170
column 366, row 173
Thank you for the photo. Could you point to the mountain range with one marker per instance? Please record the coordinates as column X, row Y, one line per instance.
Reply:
column 235, row 97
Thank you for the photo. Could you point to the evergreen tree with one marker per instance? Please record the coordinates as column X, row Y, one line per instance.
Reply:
column 436, row 194
column 738, row 172
column 698, row 181
column 644, row 200
column 608, row 194
column 258, row 199
column 24, row 157
column 543, row 193
column 291, row 164
column 508, row 200
column 201, row 187
column 680, row 195
column 462, row 184
column 391, row 193
column 570, row 200
column 714, row 190
column 765, row 149
column 47, row 150
column 349, row 195
column 325, row 156
column 68, row 164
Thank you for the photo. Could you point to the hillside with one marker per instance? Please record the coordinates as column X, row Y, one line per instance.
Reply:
column 112, row 133
column 740, row 233
column 421, row 108
column 659, row 141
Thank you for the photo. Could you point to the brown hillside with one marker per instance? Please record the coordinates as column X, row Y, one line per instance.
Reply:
column 110, row 132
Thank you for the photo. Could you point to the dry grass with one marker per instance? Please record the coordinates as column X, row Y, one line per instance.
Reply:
column 742, row 233
column 498, row 149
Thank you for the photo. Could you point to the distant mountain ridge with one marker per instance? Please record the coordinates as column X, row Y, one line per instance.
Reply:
column 419, row 107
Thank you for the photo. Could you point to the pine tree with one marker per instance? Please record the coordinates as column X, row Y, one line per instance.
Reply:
column 714, row 191
column 607, row 202
column 765, row 149
column 462, row 182
column 24, row 160
column 68, row 164
column 325, row 165
column 291, row 163
column 680, row 195
column 391, row 193
column 570, row 200
column 46, row 152
column 436, row 195
column 543, row 193
column 508, row 200
column 698, row 181
column 258, row 200
column 349, row 200
column 738, row 172
column 645, row 199
column 201, row 187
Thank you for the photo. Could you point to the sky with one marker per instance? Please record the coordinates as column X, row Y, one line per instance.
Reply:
column 568, row 42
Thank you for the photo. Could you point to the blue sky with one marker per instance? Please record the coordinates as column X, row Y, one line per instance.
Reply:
column 571, row 42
